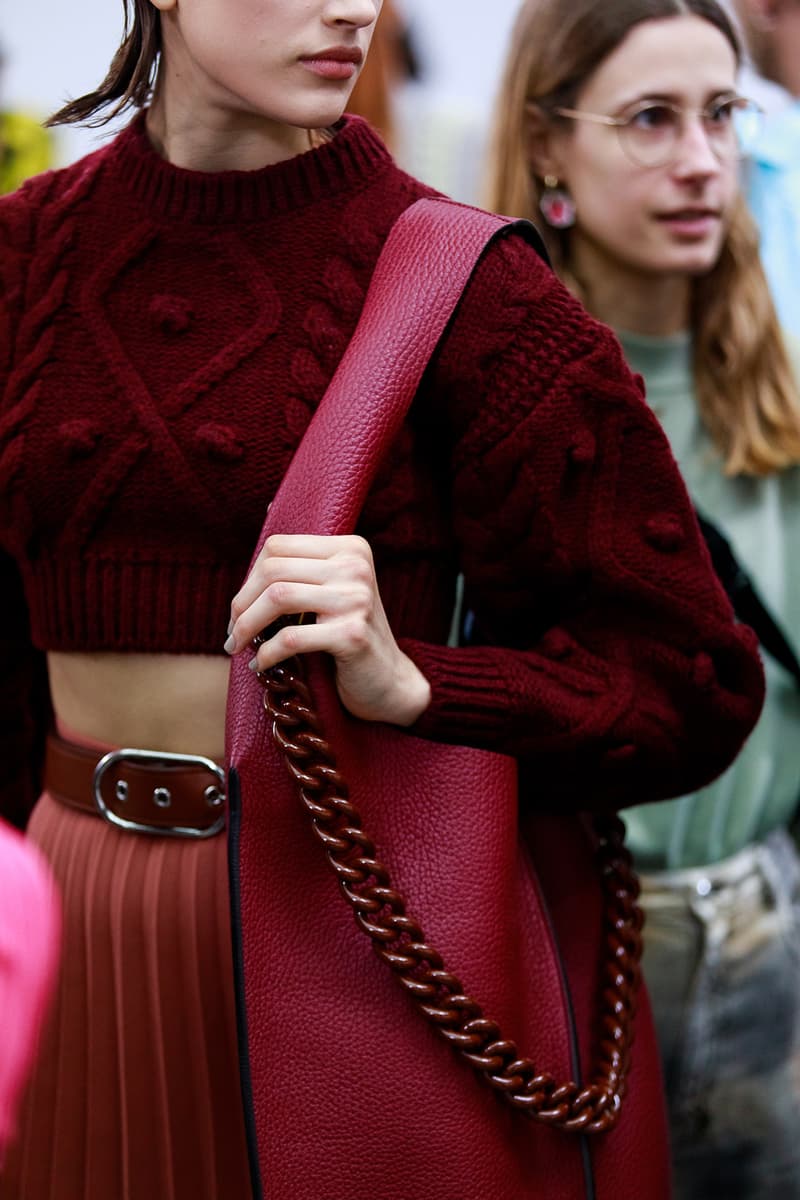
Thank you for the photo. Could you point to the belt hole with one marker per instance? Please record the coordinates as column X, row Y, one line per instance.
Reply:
column 214, row 797
column 162, row 797
column 121, row 790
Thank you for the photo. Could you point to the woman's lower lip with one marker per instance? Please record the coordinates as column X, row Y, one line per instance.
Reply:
column 691, row 226
column 330, row 68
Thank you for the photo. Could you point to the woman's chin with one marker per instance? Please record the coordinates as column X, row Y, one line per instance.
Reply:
column 692, row 261
column 702, row 264
column 695, row 258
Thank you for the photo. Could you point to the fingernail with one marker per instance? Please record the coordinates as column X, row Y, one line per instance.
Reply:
column 231, row 624
column 230, row 645
column 253, row 664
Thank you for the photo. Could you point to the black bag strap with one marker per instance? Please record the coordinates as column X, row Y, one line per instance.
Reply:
column 743, row 595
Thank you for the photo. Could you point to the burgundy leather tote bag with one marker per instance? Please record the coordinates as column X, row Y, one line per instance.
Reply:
column 481, row 1049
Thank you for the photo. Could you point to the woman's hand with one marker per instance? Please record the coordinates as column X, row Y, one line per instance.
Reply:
column 332, row 578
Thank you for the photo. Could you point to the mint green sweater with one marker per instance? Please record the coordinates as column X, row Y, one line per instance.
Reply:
column 761, row 519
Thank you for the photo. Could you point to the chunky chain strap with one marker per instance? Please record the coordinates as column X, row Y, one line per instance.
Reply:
column 380, row 911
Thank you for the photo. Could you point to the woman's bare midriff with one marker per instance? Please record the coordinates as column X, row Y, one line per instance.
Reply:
column 173, row 702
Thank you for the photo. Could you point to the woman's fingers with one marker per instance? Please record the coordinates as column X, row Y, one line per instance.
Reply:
column 287, row 598
column 325, row 576
column 309, row 545
column 340, row 637
column 302, row 558
column 269, row 570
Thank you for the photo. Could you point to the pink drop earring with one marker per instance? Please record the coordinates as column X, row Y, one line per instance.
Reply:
column 556, row 205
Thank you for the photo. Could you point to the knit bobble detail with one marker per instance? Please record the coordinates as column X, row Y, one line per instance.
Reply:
column 583, row 448
column 704, row 673
column 664, row 532
column 172, row 314
column 79, row 437
column 557, row 644
column 220, row 442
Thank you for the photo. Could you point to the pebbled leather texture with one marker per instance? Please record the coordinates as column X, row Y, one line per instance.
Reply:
column 352, row 1094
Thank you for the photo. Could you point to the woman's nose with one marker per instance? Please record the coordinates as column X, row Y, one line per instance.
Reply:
column 695, row 154
column 358, row 13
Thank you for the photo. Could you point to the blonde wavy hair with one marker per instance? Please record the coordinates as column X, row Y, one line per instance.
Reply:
column 746, row 392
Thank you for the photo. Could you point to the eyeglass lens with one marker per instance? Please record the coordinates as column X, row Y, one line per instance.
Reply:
column 652, row 134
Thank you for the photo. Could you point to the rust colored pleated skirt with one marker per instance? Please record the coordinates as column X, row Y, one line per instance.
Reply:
column 135, row 1095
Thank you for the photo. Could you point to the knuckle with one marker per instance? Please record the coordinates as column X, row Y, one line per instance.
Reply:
column 289, row 639
column 356, row 633
column 358, row 569
column 265, row 569
column 277, row 592
column 362, row 599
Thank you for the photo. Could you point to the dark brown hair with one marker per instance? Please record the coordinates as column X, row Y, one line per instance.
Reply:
column 130, row 77
column 746, row 392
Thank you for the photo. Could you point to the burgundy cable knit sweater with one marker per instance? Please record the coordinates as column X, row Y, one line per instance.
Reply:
column 165, row 338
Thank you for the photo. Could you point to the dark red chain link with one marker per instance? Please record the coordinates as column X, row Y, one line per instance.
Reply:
column 380, row 911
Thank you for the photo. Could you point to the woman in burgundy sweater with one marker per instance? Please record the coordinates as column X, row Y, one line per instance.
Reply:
column 173, row 307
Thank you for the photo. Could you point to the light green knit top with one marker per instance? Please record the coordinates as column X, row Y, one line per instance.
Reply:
column 761, row 519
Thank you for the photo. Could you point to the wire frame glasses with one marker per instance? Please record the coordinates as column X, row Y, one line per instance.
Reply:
column 650, row 134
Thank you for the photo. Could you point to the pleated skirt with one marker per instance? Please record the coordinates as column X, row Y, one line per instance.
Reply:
column 135, row 1095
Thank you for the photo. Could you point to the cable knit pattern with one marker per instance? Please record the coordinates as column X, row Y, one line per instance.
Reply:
column 166, row 337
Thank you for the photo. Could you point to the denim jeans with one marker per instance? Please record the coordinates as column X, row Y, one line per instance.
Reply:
column 722, row 963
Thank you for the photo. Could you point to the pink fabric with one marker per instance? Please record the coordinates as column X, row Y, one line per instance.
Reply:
column 29, row 941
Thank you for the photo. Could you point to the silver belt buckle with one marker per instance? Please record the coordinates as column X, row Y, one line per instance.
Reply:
column 214, row 796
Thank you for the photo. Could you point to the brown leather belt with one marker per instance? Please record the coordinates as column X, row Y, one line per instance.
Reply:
column 143, row 791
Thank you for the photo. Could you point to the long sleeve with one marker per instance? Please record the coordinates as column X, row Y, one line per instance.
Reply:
column 609, row 658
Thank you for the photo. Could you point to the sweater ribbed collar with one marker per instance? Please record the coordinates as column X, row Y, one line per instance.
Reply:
column 353, row 156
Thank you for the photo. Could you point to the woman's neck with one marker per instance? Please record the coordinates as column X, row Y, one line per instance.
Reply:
column 219, row 141
column 629, row 299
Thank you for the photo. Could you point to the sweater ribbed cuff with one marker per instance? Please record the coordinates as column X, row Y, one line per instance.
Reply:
column 468, row 691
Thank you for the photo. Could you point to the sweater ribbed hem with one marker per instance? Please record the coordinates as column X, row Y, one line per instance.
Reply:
column 356, row 152
column 150, row 607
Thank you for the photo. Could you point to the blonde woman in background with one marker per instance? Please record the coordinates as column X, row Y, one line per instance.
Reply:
column 619, row 124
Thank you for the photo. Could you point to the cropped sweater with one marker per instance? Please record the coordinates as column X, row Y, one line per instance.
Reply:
column 166, row 335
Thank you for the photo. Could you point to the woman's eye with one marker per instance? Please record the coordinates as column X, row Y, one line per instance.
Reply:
column 721, row 113
column 654, row 116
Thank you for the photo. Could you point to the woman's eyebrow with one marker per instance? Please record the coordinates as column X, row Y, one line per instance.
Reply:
column 672, row 97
